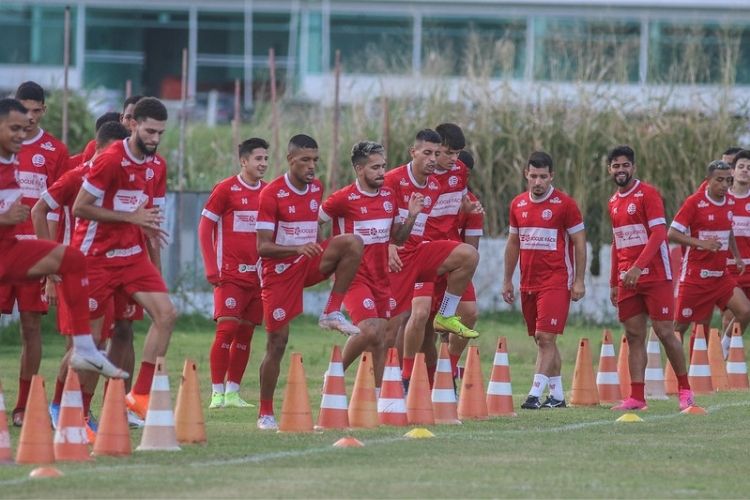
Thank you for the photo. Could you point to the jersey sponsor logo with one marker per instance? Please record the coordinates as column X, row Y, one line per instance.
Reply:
column 556, row 200
column 32, row 184
column 231, row 302
column 149, row 173
column 128, row 200
column 384, row 192
column 547, row 214
column 124, row 252
column 722, row 236
column 243, row 221
column 353, row 196
column 419, row 223
column 314, row 188
column 235, row 187
column 368, row 304
column 7, row 198
column 630, row 235
column 403, row 182
column 631, row 209
column 93, row 305
column 373, row 231
column 388, row 206
column 314, row 205
column 702, row 204
column 447, row 204
column 125, row 162
column 246, row 268
column 537, row 238
column 686, row 312
column 432, row 186
column 280, row 268
column 639, row 194
column 279, row 314
column 741, row 226
column 48, row 146
column 38, row 160
column 522, row 203
column 707, row 273
column 452, row 181
column 296, row 233
column 282, row 193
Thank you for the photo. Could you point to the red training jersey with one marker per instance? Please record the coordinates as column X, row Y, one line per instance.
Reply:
column 741, row 230
column 544, row 227
column 470, row 224
column 10, row 192
column 443, row 223
column 403, row 184
column 633, row 215
column 233, row 208
column 704, row 218
column 60, row 197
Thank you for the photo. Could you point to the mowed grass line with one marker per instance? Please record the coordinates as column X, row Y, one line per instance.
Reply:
column 577, row 452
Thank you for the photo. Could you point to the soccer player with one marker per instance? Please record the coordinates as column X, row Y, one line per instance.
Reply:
column 729, row 155
column 126, row 118
column 547, row 232
column 703, row 224
column 42, row 159
column 470, row 223
column 230, row 254
column 641, row 276
column 368, row 209
column 117, row 213
column 292, row 257
column 90, row 148
column 422, row 261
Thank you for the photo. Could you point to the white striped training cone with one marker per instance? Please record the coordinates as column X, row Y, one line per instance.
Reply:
column 654, row 380
column 499, row 390
column 159, row 432
column 6, row 455
column 333, row 405
column 71, row 441
column 699, row 374
column 444, row 402
column 391, row 403
column 736, row 364
column 607, row 379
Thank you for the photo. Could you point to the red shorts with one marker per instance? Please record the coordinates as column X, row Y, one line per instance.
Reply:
column 28, row 295
column 18, row 256
column 696, row 301
column 105, row 281
column 655, row 298
column 126, row 308
column 545, row 310
column 235, row 301
column 365, row 301
column 420, row 264
column 282, row 286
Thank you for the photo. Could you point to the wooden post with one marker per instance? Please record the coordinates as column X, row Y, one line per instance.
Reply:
column 66, row 65
column 276, row 153
column 333, row 170
column 128, row 88
column 183, row 124
column 237, row 116
column 384, row 139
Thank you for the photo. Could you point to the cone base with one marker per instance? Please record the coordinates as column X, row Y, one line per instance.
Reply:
column 508, row 414
column 419, row 433
column 43, row 472
column 157, row 448
column 348, row 442
column 629, row 418
column 694, row 410
column 111, row 453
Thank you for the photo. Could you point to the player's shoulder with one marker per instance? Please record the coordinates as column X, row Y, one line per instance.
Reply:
column 396, row 173
column 560, row 197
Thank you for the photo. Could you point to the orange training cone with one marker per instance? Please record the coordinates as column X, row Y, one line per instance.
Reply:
column 607, row 380
column 113, row 438
column 719, row 378
column 391, row 404
column 670, row 379
column 189, row 424
column 444, row 403
column 333, row 406
column 623, row 368
column 159, row 432
column 499, row 390
column 5, row 453
column 363, row 408
column 418, row 402
column 296, row 414
column 71, row 442
column 699, row 374
column 35, row 443
column 654, row 377
column 584, row 391
column 736, row 364
column 472, row 402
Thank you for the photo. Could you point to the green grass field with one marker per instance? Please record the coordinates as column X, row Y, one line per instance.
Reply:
column 576, row 452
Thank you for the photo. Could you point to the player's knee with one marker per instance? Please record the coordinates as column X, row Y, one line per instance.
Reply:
column 276, row 346
column 468, row 316
column 123, row 330
column 166, row 315
column 354, row 244
column 468, row 254
column 419, row 318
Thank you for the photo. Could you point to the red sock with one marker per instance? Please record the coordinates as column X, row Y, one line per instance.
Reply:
column 239, row 353
column 219, row 357
column 59, row 388
column 454, row 364
column 636, row 391
column 266, row 407
column 145, row 377
column 75, row 289
column 87, row 397
column 334, row 302
column 24, row 386
column 407, row 367
column 431, row 374
column 682, row 382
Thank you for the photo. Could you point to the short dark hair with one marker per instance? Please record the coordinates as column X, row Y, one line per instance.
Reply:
column 428, row 135
column 301, row 141
column 622, row 150
column 362, row 151
column 540, row 159
column 133, row 99
column 732, row 151
column 8, row 104
column 111, row 131
column 466, row 158
column 452, row 135
column 109, row 116
column 247, row 147
column 716, row 165
column 150, row 107
column 30, row 91
column 742, row 154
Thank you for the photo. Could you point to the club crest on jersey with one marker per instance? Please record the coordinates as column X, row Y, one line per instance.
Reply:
column 432, row 186
column 427, row 201
column 631, row 209
column 556, row 200
column 368, row 303
column 38, row 160
column 687, row 312
column 388, row 206
column 702, row 204
column 149, row 173
column 235, row 187
column 314, row 188
column 282, row 194
column 547, row 214
column 231, row 302
column 314, row 205
column 280, row 268
column 93, row 304
column 47, row 146
column 279, row 314
column 353, row 196
column 452, row 181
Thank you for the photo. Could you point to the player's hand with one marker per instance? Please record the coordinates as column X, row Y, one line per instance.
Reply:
column 159, row 237
column 471, row 207
column 213, row 279
column 508, row 295
column 394, row 261
column 416, row 203
column 578, row 291
column 740, row 266
column 709, row 244
column 613, row 295
column 16, row 213
column 630, row 279
column 310, row 250
column 147, row 218
column 50, row 291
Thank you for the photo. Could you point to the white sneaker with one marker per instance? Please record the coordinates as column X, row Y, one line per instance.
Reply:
column 267, row 423
column 97, row 362
column 134, row 421
column 337, row 321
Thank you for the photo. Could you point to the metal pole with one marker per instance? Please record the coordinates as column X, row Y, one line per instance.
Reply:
column 274, row 112
column 66, row 64
column 237, row 117
column 183, row 124
column 128, row 88
column 386, row 123
column 333, row 171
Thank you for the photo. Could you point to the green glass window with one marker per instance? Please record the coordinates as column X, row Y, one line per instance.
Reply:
column 372, row 44
column 34, row 34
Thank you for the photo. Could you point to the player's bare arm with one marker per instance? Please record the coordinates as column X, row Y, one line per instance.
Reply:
column 39, row 218
column 400, row 232
column 270, row 250
column 736, row 253
column 709, row 244
column 471, row 207
column 578, row 289
column 512, row 251
column 17, row 213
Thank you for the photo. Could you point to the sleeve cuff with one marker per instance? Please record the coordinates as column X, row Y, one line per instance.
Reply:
column 210, row 215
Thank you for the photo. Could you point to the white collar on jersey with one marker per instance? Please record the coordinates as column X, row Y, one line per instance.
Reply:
column 714, row 202
column 130, row 154
column 359, row 188
column 8, row 161
column 742, row 197
column 412, row 179
column 543, row 198
column 291, row 186
column 635, row 186
column 242, row 181
column 35, row 138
